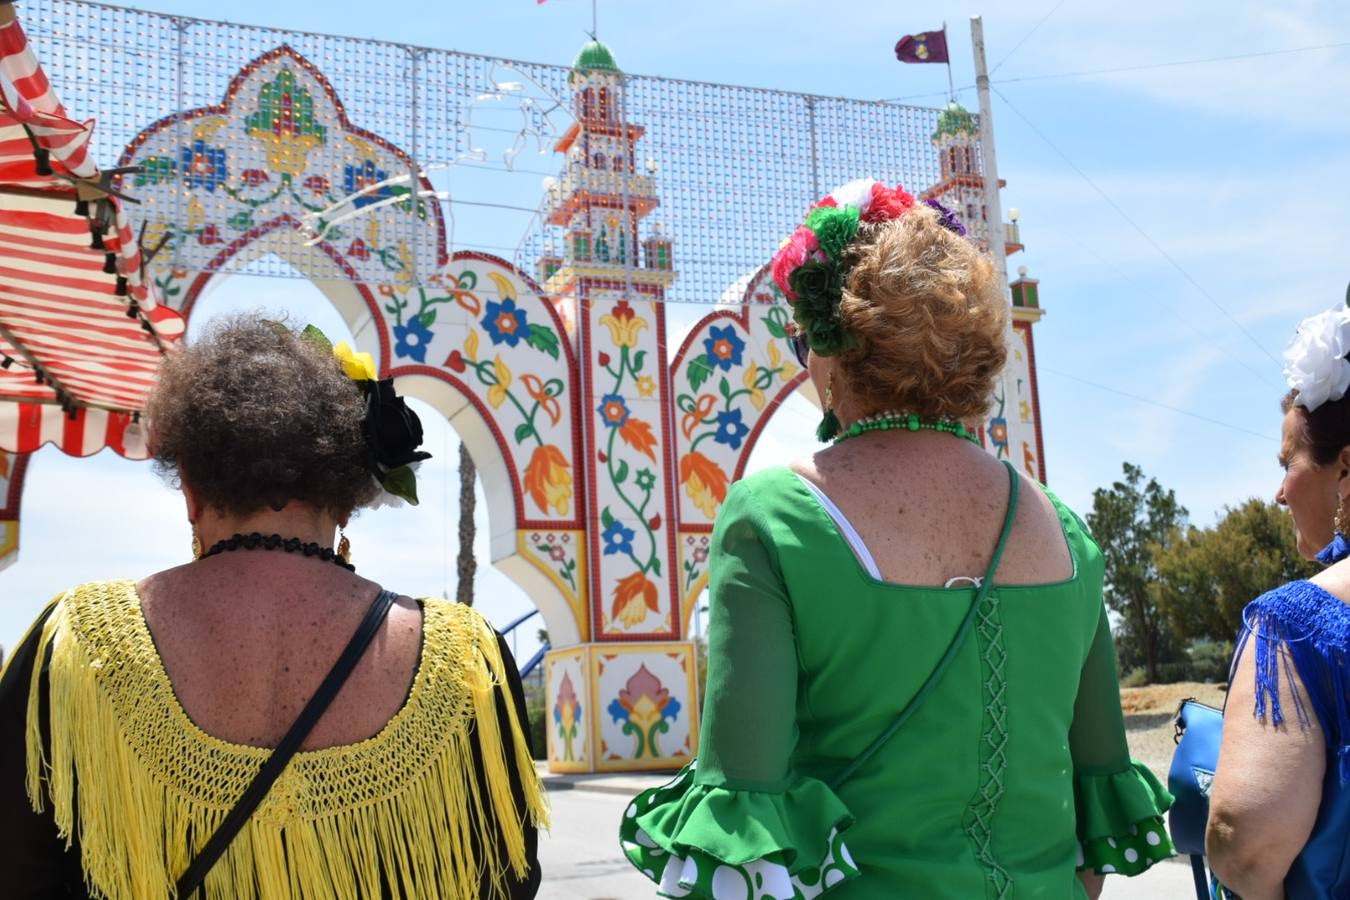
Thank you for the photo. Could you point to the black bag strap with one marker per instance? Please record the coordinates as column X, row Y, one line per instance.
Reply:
column 220, row 841
column 962, row 633
column 1201, row 877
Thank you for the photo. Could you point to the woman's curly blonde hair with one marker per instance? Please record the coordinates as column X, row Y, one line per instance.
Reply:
column 929, row 319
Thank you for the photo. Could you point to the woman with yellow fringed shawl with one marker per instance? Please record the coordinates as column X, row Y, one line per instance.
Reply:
column 135, row 715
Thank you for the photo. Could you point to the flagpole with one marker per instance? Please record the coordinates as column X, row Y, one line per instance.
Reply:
column 993, row 209
column 593, row 19
column 951, row 88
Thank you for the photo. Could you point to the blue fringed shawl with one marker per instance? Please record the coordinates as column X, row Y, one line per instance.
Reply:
column 1303, row 624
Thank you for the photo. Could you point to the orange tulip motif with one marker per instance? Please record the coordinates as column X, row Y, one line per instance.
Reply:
column 704, row 482
column 548, row 480
column 634, row 596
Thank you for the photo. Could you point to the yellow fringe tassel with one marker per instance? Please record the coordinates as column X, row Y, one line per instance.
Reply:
column 152, row 787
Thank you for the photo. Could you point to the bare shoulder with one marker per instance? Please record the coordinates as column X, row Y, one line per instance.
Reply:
column 1335, row 580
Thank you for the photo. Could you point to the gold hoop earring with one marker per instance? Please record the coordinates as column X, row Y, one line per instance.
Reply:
column 344, row 547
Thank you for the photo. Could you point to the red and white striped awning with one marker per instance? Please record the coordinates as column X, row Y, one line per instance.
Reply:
column 81, row 332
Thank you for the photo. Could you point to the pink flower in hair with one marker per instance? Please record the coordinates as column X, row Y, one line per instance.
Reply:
column 800, row 247
column 887, row 203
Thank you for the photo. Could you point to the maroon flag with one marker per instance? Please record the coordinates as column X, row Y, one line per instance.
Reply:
column 929, row 47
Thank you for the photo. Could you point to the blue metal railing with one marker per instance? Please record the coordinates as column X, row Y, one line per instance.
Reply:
column 534, row 662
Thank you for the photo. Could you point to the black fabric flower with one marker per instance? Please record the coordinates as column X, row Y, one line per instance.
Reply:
column 393, row 431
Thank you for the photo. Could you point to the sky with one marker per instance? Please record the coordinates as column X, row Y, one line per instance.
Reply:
column 1180, row 218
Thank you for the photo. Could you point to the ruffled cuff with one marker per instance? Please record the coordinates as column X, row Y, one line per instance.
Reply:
column 699, row 841
column 1120, row 825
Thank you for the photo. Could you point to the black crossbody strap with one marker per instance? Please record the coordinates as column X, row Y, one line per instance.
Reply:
column 276, row 763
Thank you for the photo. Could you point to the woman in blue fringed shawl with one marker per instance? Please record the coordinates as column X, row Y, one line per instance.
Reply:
column 1279, row 823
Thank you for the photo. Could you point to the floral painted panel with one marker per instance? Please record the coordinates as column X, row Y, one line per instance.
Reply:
column 646, row 705
column 277, row 167
column 561, row 557
column 483, row 326
column 632, row 556
column 565, row 682
column 730, row 375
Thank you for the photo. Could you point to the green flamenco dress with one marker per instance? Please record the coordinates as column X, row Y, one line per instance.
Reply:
column 1012, row 774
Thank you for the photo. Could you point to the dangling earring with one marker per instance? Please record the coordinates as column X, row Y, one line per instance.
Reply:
column 829, row 423
column 344, row 547
column 1339, row 548
column 196, row 544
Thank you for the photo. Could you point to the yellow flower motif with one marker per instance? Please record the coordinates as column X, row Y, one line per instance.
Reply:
column 786, row 370
column 623, row 324
column 646, row 385
column 196, row 213
column 407, row 271
column 751, row 382
column 356, row 366
column 471, row 346
column 497, row 393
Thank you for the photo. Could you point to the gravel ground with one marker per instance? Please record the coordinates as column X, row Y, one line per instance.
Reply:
column 1149, row 712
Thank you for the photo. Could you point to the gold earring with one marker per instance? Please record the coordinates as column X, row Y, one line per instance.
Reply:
column 344, row 547
column 1339, row 522
column 196, row 544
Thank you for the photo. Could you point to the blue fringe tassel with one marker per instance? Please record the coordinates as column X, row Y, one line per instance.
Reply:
column 1334, row 552
column 1299, row 625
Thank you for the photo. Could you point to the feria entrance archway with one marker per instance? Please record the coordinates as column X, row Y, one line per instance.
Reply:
column 605, row 451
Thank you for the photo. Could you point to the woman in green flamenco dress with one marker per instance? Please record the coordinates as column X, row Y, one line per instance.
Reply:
column 911, row 680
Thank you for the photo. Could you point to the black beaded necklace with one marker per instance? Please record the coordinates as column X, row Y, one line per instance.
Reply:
column 259, row 541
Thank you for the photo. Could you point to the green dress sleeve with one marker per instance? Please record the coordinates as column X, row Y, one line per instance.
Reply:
column 1119, row 802
column 739, row 815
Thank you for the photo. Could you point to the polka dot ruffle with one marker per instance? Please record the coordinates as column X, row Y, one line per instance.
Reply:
column 1146, row 843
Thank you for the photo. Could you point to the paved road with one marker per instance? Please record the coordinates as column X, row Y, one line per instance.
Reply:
column 581, row 858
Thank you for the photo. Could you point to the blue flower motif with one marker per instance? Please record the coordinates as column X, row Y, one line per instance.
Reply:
column 672, row 710
column 730, row 429
column 203, row 166
column 618, row 539
column 618, row 711
column 724, row 347
column 358, row 177
column 412, row 339
column 505, row 323
column 613, row 410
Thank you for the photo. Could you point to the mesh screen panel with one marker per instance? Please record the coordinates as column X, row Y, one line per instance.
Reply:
column 732, row 169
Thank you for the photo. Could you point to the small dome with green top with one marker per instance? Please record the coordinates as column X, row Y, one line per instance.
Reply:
column 955, row 120
column 595, row 57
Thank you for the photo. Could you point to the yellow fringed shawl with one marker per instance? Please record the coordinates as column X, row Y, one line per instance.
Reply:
column 152, row 786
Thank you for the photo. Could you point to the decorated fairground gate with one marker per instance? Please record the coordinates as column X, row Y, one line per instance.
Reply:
column 605, row 449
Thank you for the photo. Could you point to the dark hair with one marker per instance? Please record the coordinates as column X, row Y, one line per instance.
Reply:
column 1325, row 431
column 253, row 416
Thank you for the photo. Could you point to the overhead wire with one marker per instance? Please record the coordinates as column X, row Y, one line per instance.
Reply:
column 1167, row 406
column 1139, row 229
column 1028, row 35
column 1167, row 65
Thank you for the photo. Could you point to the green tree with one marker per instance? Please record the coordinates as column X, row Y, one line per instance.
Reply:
column 1207, row 575
column 1132, row 520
